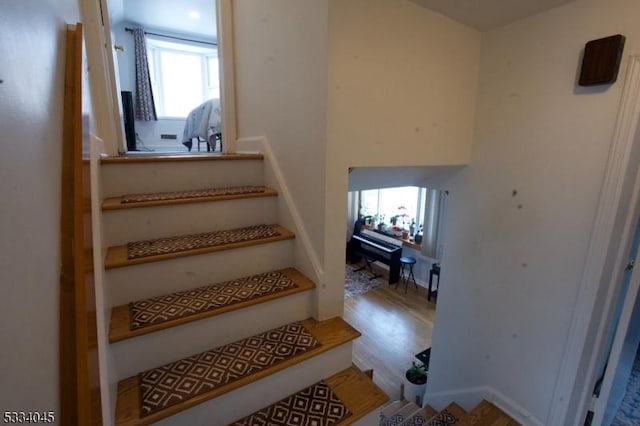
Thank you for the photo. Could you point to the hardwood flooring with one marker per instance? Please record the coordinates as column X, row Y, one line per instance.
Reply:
column 394, row 328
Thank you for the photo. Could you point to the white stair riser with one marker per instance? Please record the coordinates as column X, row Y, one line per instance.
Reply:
column 249, row 399
column 130, row 283
column 391, row 408
column 119, row 179
column 123, row 226
column 371, row 419
column 142, row 353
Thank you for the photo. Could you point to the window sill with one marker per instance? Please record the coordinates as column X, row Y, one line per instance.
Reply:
column 408, row 242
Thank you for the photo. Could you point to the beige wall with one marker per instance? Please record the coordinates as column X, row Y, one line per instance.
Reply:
column 281, row 92
column 402, row 84
column 31, row 104
column 513, row 263
column 402, row 92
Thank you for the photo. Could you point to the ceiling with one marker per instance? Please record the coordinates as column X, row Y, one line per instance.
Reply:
column 488, row 14
column 174, row 16
column 190, row 17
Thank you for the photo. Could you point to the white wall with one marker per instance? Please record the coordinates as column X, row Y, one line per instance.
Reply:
column 281, row 92
column 402, row 92
column 513, row 261
column 31, row 105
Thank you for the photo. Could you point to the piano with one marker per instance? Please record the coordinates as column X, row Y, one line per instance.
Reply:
column 376, row 247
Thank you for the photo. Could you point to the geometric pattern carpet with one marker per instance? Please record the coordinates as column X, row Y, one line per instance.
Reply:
column 393, row 420
column 182, row 380
column 316, row 405
column 190, row 242
column 160, row 309
column 199, row 193
column 445, row 418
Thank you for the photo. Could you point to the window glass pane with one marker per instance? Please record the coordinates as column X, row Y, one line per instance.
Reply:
column 401, row 202
column 369, row 202
column 183, row 75
column 213, row 81
column 181, row 83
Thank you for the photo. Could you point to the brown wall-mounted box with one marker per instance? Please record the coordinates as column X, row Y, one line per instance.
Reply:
column 601, row 61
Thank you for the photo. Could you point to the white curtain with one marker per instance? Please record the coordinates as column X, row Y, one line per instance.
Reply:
column 145, row 107
column 432, row 225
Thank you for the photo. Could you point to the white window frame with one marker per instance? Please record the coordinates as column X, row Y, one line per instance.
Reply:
column 155, row 48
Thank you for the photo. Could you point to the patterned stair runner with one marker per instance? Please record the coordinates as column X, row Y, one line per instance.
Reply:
column 159, row 246
column 144, row 313
column 161, row 392
column 422, row 417
column 400, row 416
column 185, row 379
column 316, row 405
column 199, row 193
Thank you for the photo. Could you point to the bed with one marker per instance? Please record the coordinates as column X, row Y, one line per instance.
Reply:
column 204, row 125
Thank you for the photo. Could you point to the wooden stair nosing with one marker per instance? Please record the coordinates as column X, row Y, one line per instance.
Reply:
column 121, row 315
column 486, row 413
column 459, row 412
column 166, row 158
column 331, row 333
column 117, row 256
column 357, row 392
column 429, row 412
column 115, row 203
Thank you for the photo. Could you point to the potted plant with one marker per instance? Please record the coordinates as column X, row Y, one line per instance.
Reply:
column 415, row 383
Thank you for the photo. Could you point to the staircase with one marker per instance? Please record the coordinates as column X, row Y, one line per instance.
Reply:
column 211, row 322
column 399, row 413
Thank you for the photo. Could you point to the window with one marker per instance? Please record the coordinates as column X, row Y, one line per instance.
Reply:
column 422, row 207
column 407, row 203
column 182, row 76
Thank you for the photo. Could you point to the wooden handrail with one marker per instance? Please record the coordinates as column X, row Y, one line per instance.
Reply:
column 80, row 402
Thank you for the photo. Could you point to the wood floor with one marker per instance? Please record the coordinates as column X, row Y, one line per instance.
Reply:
column 394, row 328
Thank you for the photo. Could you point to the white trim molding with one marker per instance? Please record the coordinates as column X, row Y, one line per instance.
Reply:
column 468, row 398
column 601, row 251
column 224, row 14
column 261, row 144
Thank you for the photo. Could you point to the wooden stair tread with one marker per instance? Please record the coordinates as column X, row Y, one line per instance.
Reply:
column 444, row 417
column 116, row 203
column 487, row 414
column 330, row 333
column 120, row 327
column 357, row 392
column 354, row 389
column 421, row 417
column 166, row 158
column 456, row 410
column 117, row 256
column 429, row 412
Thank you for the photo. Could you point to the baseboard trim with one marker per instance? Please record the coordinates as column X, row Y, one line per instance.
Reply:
column 468, row 398
column 261, row 144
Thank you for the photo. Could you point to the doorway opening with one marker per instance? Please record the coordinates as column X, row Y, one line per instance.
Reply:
column 168, row 71
column 394, row 246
